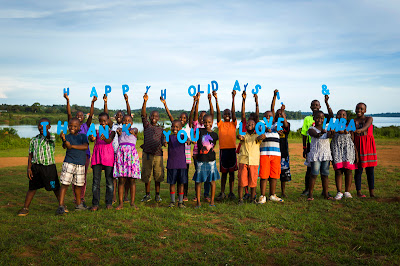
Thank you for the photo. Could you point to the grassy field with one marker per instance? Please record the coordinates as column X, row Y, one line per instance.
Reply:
column 356, row 231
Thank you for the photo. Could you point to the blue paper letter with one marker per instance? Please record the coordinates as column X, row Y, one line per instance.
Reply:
column 256, row 89
column 180, row 134
column 166, row 134
column 194, row 139
column 216, row 85
column 104, row 131
column 333, row 125
column 236, row 87
column 198, row 89
column 125, row 89
column 91, row 131
column 351, row 126
column 66, row 91
column 192, row 87
column 280, row 124
column 164, row 94
column 125, row 128
column 44, row 125
column 245, row 86
column 268, row 124
column 147, row 88
column 63, row 128
column 107, row 89
column 241, row 129
column 260, row 128
column 342, row 124
column 93, row 93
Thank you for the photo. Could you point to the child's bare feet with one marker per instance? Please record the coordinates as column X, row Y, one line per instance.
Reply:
column 371, row 193
column 119, row 207
column 134, row 206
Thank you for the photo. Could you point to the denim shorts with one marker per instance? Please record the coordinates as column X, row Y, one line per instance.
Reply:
column 322, row 167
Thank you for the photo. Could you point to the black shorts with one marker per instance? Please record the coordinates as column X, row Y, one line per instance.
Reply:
column 177, row 175
column 227, row 160
column 44, row 176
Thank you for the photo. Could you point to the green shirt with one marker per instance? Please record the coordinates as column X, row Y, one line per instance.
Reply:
column 307, row 123
column 42, row 149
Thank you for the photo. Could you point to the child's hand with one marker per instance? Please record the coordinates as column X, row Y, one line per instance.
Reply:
column 132, row 131
column 94, row 99
column 119, row 131
column 66, row 96
column 188, row 142
column 195, row 98
column 244, row 95
column 105, row 98
column 283, row 107
column 62, row 136
column 214, row 93
column 323, row 131
column 165, row 143
column 145, row 97
column 126, row 97
column 29, row 173
column 326, row 98
column 275, row 92
column 358, row 131
column 162, row 100
column 305, row 153
column 209, row 96
column 233, row 94
column 68, row 145
column 102, row 137
column 240, row 137
column 92, row 138
column 268, row 130
column 261, row 137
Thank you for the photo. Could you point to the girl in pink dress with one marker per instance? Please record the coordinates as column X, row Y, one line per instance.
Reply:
column 102, row 158
column 365, row 145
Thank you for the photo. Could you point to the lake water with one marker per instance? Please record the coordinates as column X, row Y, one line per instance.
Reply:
column 29, row 131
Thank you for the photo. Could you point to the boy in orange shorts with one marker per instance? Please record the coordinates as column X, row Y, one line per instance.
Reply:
column 249, row 158
column 270, row 161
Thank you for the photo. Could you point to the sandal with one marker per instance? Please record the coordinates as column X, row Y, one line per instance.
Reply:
column 213, row 205
column 361, row 196
column 310, row 199
column 94, row 208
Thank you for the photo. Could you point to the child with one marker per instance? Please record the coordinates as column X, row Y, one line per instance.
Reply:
column 102, row 159
column 42, row 171
column 308, row 122
column 365, row 145
column 252, row 116
column 270, row 161
column 206, row 170
column 152, row 157
column 118, row 117
column 227, row 146
column 249, row 159
column 127, row 164
column 198, row 123
column 84, row 127
column 73, row 168
column 319, row 155
column 344, row 158
column 176, row 165
column 186, row 125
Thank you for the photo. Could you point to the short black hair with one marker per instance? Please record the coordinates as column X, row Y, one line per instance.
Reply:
column 44, row 119
column 119, row 111
column 177, row 121
column 74, row 119
column 317, row 113
column 362, row 103
column 127, row 116
column 185, row 114
column 207, row 115
column 104, row 114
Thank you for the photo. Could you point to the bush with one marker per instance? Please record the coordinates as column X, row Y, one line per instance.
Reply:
column 391, row 132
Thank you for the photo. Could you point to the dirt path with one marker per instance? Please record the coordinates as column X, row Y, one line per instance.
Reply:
column 386, row 157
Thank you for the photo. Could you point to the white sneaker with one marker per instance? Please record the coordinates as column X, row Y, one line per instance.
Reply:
column 275, row 198
column 347, row 195
column 262, row 199
column 339, row 196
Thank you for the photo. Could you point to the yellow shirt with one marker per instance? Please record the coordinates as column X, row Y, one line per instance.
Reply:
column 250, row 150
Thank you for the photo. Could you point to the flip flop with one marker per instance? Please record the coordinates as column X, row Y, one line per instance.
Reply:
column 212, row 205
column 310, row 199
column 361, row 196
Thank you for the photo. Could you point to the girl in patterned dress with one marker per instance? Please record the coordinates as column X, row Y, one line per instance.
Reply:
column 344, row 158
column 319, row 155
column 127, row 164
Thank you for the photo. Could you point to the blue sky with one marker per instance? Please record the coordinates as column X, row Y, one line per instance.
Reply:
column 295, row 46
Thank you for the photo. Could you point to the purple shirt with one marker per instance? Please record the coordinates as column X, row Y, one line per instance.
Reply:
column 176, row 154
column 84, row 130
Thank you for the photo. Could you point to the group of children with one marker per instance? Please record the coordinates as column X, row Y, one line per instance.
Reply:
column 264, row 156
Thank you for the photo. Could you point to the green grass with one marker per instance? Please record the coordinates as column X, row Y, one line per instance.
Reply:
column 356, row 231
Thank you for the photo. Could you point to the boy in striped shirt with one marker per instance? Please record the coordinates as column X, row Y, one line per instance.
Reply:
column 270, row 161
column 42, row 171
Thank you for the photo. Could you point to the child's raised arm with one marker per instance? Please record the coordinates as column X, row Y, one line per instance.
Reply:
column 192, row 111
column 330, row 112
column 89, row 120
column 69, row 115
column 105, row 98
column 211, row 106
column 143, row 113
column 257, row 108
column 214, row 93
column 273, row 103
column 285, row 122
column 196, row 111
column 128, row 107
column 233, row 106
column 243, row 106
column 166, row 109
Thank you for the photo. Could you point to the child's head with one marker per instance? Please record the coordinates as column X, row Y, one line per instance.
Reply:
column 253, row 116
column 183, row 118
column 268, row 115
column 127, row 119
column 80, row 116
column 74, row 125
column 250, row 125
column 319, row 118
column 176, row 126
column 278, row 114
column 40, row 127
column 315, row 105
column 103, row 119
column 201, row 116
column 361, row 109
column 154, row 117
column 341, row 114
column 207, row 122
column 119, row 115
column 227, row 115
